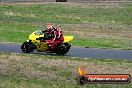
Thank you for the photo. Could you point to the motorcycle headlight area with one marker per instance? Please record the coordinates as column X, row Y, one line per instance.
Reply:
column 39, row 32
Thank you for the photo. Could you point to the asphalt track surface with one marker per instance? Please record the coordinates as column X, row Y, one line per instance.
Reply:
column 77, row 52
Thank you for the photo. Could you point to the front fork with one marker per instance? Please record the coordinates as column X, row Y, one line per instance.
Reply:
column 33, row 45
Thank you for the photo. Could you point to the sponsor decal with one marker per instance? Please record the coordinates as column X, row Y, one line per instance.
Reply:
column 101, row 78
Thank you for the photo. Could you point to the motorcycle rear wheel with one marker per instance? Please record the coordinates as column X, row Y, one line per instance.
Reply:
column 62, row 49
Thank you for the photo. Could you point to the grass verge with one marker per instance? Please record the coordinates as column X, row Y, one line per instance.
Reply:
column 39, row 71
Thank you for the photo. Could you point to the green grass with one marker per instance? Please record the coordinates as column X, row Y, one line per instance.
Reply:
column 57, row 13
column 103, row 43
column 17, row 21
column 43, row 71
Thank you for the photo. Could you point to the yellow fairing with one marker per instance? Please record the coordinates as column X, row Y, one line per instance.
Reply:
column 41, row 46
column 68, row 38
column 33, row 37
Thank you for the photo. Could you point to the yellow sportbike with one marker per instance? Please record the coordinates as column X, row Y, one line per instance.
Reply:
column 36, row 42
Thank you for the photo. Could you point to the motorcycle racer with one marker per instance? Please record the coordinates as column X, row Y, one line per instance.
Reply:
column 56, row 36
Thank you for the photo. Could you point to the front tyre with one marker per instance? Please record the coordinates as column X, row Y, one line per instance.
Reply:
column 27, row 47
column 62, row 48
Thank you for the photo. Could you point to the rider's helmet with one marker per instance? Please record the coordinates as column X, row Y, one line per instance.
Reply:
column 50, row 27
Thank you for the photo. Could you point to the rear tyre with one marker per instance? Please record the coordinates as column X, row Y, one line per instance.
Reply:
column 27, row 47
column 62, row 48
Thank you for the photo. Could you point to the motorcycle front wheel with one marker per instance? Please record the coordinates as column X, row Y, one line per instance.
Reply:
column 27, row 47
